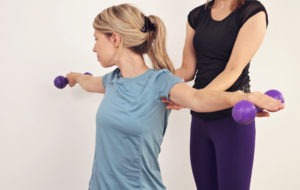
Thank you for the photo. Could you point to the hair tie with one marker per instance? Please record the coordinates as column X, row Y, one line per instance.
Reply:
column 148, row 25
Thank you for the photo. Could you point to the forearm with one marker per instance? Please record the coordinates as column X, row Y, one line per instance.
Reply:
column 188, row 66
column 224, row 80
column 212, row 100
column 84, row 82
column 186, row 74
column 87, row 82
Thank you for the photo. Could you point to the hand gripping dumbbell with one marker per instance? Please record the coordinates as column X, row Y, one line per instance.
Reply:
column 61, row 81
column 244, row 112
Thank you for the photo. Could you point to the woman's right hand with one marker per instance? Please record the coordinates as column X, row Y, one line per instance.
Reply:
column 72, row 78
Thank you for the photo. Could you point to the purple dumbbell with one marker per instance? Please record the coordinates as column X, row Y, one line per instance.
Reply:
column 244, row 111
column 61, row 81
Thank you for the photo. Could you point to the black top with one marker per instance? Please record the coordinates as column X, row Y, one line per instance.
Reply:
column 213, row 42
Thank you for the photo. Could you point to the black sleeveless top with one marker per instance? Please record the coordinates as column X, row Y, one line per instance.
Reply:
column 213, row 42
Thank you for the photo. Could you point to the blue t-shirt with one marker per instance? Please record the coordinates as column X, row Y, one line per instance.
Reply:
column 131, row 122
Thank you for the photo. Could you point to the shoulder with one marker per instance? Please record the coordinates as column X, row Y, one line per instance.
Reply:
column 164, row 75
column 162, row 81
column 114, row 73
column 110, row 76
column 198, row 9
column 250, row 8
column 197, row 13
column 251, row 5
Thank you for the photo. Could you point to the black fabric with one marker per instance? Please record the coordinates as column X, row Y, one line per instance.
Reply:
column 213, row 43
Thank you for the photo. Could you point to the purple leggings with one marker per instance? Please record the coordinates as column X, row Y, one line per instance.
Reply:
column 222, row 154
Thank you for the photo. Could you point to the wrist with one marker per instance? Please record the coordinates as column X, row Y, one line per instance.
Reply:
column 239, row 97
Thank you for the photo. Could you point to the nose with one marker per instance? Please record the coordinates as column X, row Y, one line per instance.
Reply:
column 94, row 48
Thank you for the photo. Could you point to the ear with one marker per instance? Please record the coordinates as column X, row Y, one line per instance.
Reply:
column 116, row 39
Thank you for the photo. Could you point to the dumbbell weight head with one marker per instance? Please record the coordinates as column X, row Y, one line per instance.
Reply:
column 244, row 112
column 275, row 94
column 60, row 82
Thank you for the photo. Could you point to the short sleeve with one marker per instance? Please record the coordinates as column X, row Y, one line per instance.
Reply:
column 165, row 80
column 107, row 78
column 193, row 16
column 250, row 9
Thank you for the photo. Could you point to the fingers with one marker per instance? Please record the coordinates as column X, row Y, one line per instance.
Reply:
column 265, row 102
column 72, row 78
column 262, row 114
column 174, row 107
column 272, row 104
column 171, row 105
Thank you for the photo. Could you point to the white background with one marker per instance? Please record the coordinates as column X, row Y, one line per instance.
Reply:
column 47, row 135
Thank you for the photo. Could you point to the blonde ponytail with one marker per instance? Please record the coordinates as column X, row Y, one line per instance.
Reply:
column 158, row 53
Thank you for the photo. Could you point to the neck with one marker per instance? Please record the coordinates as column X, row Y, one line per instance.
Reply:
column 224, row 4
column 131, row 64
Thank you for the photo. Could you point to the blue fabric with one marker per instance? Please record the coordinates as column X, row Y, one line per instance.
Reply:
column 131, row 121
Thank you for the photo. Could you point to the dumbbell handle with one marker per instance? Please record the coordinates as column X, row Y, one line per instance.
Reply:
column 61, row 81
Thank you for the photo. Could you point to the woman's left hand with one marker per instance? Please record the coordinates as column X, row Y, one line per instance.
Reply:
column 171, row 105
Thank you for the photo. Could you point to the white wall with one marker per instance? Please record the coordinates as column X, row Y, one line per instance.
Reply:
column 47, row 135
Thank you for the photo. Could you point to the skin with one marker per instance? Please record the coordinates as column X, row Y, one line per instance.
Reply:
column 110, row 53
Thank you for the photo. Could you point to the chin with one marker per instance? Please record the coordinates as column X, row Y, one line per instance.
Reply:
column 104, row 66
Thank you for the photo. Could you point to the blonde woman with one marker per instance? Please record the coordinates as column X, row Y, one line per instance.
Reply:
column 131, row 119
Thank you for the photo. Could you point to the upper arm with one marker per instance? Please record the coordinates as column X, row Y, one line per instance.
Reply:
column 189, row 56
column 182, row 94
column 248, row 42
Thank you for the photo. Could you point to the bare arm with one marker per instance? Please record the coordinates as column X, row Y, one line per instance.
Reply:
column 188, row 67
column 247, row 43
column 87, row 82
column 206, row 100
